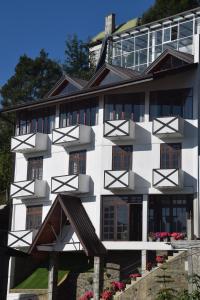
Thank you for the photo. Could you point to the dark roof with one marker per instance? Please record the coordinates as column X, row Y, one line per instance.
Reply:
column 73, row 211
column 123, row 73
column 78, row 83
column 185, row 57
column 8, row 251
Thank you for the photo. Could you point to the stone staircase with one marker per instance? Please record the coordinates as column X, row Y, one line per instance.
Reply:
column 146, row 287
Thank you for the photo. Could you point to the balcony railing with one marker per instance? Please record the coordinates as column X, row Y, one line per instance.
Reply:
column 168, row 127
column 119, row 129
column 71, row 135
column 122, row 179
column 27, row 143
column 20, row 238
column 70, row 184
column 28, row 189
column 167, row 178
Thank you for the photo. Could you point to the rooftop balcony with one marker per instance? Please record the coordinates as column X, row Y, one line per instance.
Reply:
column 28, row 189
column 20, row 238
column 28, row 143
column 71, row 135
column 119, row 180
column 167, row 178
column 168, row 127
column 119, row 130
column 70, row 184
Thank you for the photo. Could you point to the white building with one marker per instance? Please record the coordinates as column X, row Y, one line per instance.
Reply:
column 126, row 143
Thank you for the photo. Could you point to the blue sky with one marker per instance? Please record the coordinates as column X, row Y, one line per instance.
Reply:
column 26, row 26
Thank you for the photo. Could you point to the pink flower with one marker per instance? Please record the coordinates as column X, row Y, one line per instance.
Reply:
column 135, row 275
column 88, row 295
column 118, row 286
column 107, row 295
column 160, row 259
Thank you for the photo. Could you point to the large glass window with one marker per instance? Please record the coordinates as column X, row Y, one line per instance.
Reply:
column 122, row 218
column 35, row 168
column 77, row 162
column 171, row 103
column 122, row 157
column 124, row 107
column 40, row 120
column 170, row 156
column 84, row 112
column 33, row 217
column 169, row 213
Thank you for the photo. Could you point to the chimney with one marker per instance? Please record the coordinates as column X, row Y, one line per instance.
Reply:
column 109, row 24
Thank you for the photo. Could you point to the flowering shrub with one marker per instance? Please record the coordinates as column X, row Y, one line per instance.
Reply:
column 88, row 295
column 178, row 235
column 160, row 259
column 107, row 295
column 135, row 275
column 118, row 286
column 164, row 234
column 152, row 235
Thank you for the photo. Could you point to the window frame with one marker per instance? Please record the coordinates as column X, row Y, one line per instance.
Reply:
column 170, row 150
column 77, row 157
column 119, row 152
column 36, row 164
column 29, row 215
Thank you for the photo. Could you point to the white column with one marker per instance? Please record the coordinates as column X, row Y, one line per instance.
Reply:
column 57, row 116
column 98, row 277
column 146, row 108
column 144, row 231
column 196, row 215
column 53, row 276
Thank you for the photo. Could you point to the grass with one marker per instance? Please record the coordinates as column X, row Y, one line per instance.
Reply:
column 39, row 279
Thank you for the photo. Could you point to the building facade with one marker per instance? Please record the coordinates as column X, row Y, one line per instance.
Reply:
column 126, row 143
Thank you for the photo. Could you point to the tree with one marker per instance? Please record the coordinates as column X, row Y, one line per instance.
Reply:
column 33, row 78
column 165, row 8
column 77, row 62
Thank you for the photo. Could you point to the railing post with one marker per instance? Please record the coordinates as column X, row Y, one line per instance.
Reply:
column 53, row 276
column 98, row 277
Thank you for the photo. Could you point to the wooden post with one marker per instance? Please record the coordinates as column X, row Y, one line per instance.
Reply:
column 53, row 276
column 189, row 226
column 98, row 277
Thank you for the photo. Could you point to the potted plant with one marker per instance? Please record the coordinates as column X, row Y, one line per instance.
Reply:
column 157, row 236
column 164, row 236
column 87, row 296
column 160, row 260
column 107, row 295
column 175, row 236
column 149, row 266
column 134, row 276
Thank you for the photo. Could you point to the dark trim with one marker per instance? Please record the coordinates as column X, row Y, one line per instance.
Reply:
column 163, row 177
column 66, row 183
column 22, row 188
column 21, row 238
column 23, row 142
column 116, row 179
column 116, row 128
column 66, row 134
column 165, row 125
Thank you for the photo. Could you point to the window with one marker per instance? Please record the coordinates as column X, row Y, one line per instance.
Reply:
column 85, row 112
column 108, row 78
column 35, row 168
column 170, row 156
column 35, row 121
column 77, row 162
column 171, row 103
column 169, row 213
column 122, row 157
column 67, row 89
column 122, row 218
column 124, row 107
column 33, row 217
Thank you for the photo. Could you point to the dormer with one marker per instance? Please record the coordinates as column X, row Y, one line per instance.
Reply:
column 170, row 59
column 66, row 85
column 110, row 74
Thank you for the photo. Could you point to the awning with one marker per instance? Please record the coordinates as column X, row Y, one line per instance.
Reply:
column 68, row 209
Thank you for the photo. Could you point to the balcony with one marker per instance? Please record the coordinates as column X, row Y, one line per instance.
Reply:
column 71, row 135
column 119, row 130
column 28, row 143
column 20, row 238
column 119, row 180
column 70, row 184
column 28, row 189
column 168, row 127
column 167, row 178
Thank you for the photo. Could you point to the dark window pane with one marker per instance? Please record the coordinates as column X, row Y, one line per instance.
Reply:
column 33, row 217
column 170, row 156
column 77, row 162
column 35, row 168
column 122, row 157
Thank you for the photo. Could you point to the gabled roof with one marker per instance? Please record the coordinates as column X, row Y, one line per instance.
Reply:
column 180, row 59
column 63, row 82
column 120, row 73
column 68, row 209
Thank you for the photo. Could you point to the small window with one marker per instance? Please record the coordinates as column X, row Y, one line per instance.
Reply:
column 170, row 156
column 77, row 162
column 33, row 217
column 122, row 157
column 35, row 168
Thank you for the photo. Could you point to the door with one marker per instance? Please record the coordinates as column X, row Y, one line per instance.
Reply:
column 135, row 222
